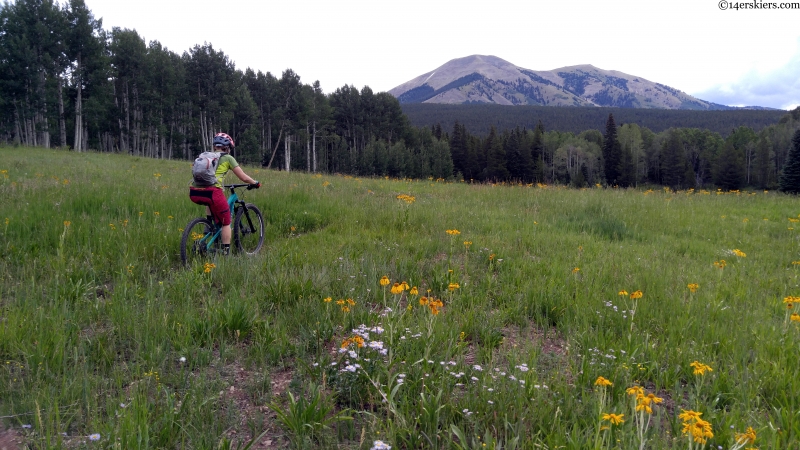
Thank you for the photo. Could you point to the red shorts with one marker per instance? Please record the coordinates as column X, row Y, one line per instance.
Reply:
column 214, row 198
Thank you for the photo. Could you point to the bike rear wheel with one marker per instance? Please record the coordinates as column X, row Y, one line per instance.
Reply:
column 194, row 241
column 248, row 229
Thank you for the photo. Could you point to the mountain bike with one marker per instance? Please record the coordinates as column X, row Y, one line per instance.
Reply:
column 202, row 238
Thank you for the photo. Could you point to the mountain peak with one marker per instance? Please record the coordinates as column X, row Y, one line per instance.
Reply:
column 490, row 79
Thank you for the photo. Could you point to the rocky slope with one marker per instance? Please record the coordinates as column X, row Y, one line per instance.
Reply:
column 489, row 79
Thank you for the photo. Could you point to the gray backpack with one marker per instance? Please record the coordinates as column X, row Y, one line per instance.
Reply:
column 204, row 169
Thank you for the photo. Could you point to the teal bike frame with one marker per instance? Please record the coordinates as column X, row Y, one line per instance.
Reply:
column 210, row 238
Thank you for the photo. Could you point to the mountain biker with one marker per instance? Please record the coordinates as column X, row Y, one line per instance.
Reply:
column 212, row 197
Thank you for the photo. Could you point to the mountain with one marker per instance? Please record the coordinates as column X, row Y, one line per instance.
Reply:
column 489, row 79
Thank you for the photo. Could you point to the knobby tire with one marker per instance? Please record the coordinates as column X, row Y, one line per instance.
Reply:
column 190, row 248
column 248, row 229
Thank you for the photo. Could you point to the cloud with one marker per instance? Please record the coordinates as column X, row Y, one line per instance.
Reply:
column 779, row 88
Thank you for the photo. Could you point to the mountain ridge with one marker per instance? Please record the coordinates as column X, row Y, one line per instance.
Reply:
column 488, row 79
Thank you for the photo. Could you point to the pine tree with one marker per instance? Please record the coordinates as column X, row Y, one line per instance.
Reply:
column 730, row 169
column 790, row 176
column 518, row 154
column 496, row 169
column 673, row 165
column 763, row 163
column 612, row 152
column 458, row 149
column 537, row 153
column 627, row 176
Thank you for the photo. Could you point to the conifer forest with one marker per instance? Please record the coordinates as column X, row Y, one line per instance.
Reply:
column 66, row 82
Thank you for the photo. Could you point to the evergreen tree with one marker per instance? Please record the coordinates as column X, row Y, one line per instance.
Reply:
column 790, row 176
column 612, row 152
column 458, row 149
column 730, row 168
column 472, row 165
column 518, row 154
column 496, row 169
column 537, row 153
column 627, row 175
column 673, row 165
column 763, row 165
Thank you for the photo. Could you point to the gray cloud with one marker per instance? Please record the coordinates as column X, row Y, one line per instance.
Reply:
column 777, row 89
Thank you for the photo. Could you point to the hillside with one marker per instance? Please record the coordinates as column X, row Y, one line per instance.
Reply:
column 479, row 118
column 529, row 311
column 488, row 79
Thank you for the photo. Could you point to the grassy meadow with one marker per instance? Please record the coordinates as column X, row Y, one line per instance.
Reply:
column 535, row 316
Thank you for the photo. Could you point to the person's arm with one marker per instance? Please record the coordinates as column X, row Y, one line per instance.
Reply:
column 243, row 176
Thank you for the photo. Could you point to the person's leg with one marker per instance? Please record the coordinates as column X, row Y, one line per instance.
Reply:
column 205, row 198
column 222, row 215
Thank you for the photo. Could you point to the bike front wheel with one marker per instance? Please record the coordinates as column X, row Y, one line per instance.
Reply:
column 195, row 241
column 248, row 229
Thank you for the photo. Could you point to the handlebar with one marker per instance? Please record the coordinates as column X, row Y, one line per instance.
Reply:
column 248, row 186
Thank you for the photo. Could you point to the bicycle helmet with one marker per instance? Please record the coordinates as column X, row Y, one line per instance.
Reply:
column 222, row 139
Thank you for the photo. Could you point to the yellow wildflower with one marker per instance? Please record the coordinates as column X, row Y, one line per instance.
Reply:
column 700, row 430
column 423, row 301
column 453, row 232
column 700, row 368
column 795, row 317
column 67, row 223
column 720, row 264
column 635, row 390
column 414, row 291
column 601, row 381
column 688, row 415
column 739, row 253
column 636, row 295
column 434, row 305
column 453, row 286
column 643, row 403
column 384, row 281
column 748, row 437
column 693, row 287
column 576, row 270
column 615, row 419
column 327, row 299
column 467, row 244
column 406, row 198
column 357, row 340
column 623, row 293
column 397, row 289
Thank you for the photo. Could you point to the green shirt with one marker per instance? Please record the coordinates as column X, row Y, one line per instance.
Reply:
column 226, row 163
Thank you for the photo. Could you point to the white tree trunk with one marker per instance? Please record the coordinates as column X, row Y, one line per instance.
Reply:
column 78, row 145
column 314, row 147
column 287, row 147
column 308, row 150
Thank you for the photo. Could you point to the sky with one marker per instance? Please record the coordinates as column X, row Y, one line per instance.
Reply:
column 733, row 57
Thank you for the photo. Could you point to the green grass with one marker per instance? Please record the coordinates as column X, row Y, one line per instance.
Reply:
column 103, row 331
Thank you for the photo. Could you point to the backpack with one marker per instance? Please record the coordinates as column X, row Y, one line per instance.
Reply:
column 204, row 169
